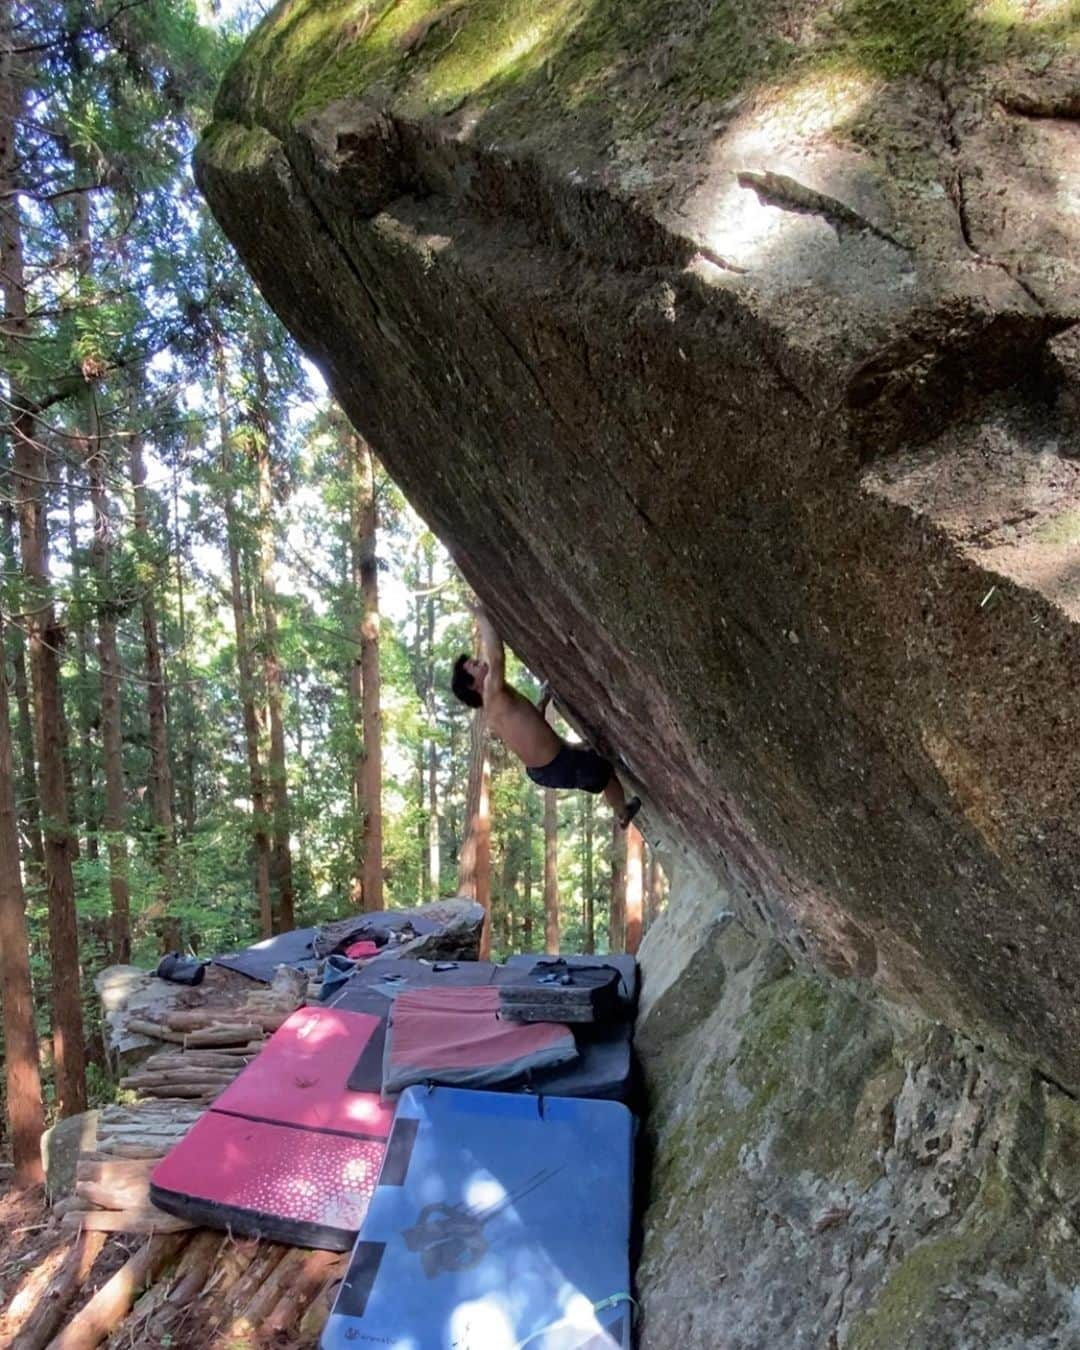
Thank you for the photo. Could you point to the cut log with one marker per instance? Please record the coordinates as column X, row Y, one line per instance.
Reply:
column 123, row 1148
column 199, row 1059
column 138, row 1115
column 145, row 1219
column 249, row 1319
column 137, row 1026
column 315, row 1270
column 112, row 1302
column 185, row 1090
column 115, row 1184
column 313, row 1321
column 160, row 1079
column 263, row 1265
column 194, row 1269
column 52, row 1306
column 222, row 1035
column 203, row 1019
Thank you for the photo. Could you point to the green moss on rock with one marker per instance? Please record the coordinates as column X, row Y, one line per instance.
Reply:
column 627, row 61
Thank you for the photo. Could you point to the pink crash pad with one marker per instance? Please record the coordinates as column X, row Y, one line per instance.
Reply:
column 300, row 1076
column 272, row 1181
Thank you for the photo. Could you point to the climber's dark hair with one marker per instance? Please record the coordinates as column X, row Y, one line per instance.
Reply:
column 462, row 684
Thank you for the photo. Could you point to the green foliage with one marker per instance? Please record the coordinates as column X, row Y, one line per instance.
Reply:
column 144, row 331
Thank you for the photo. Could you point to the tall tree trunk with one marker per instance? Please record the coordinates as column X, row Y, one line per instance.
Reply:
column 507, row 890
column 589, row 812
column 481, row 829
column 161, row 786
column 474, row 861
column 616, row 904
column 367, row 714
column 527, row 921
column 244, row 665
column 27, row 800
column 635, row 888
column 86, row 803
column 654, row 891
column 45, row 639
column 111, row 729
column 23, row 1081
column 280, row 857
column 551, row 860
column 419, row 667
column 186, row 795
column 434, row 861
column 551, row 872
column 45, row 635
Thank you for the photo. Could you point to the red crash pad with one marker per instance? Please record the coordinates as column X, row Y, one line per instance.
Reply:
column 273, row 1181
column 287, row 1152
column 456, row 1037
column 300, row 1077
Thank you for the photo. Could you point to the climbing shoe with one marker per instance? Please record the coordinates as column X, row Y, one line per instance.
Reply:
column 633, row 806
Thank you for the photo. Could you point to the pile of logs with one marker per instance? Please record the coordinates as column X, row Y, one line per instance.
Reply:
column 204, row 1048
column 209, row 1045
column 194, row 1289
column 179, row 1285
column 194, row 1074
column 112, row 1181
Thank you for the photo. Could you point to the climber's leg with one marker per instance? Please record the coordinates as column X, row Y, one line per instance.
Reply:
column 625, row 811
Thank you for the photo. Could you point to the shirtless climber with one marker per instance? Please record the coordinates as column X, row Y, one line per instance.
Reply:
column 548, row 760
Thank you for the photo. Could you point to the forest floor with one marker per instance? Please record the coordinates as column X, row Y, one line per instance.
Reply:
column 226, row 1306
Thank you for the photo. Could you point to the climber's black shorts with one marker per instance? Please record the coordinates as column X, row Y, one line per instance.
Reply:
column 575, row 766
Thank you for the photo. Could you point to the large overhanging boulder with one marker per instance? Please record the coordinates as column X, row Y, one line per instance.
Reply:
column 732, row 348
column 727, row 347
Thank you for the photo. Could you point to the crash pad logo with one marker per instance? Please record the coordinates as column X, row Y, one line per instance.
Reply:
column 451, row 1238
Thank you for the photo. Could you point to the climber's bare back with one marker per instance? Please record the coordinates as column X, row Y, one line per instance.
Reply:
column 521, row 727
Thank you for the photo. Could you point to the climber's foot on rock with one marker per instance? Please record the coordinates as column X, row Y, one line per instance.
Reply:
column 633, row 806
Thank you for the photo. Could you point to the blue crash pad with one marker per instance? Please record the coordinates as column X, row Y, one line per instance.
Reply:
column 499, row 1223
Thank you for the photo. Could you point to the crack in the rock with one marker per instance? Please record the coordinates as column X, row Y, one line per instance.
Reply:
column 718, row 260
column 777, row 189
column 958, row 197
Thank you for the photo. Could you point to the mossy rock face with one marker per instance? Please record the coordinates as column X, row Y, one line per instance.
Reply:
column 822, row 1175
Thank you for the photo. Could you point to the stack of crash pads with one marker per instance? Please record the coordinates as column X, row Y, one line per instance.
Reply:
column 555, row 991
column 499, row 1223
column 501, row 1218
column 286, row 1152
column 599, row 1064
column 456, row 1036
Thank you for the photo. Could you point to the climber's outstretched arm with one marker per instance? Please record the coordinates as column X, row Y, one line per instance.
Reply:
column 544, row 699
column 492, row 651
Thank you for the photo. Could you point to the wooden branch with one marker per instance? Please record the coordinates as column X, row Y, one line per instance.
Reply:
column 316, row 1269
column 51, row 1307
column 249, row 1319
column 137, row 1026
column 112, row 1302
column 194, row 1270
column 145, row 1219
column 223, row 1035
column 69, row 1205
